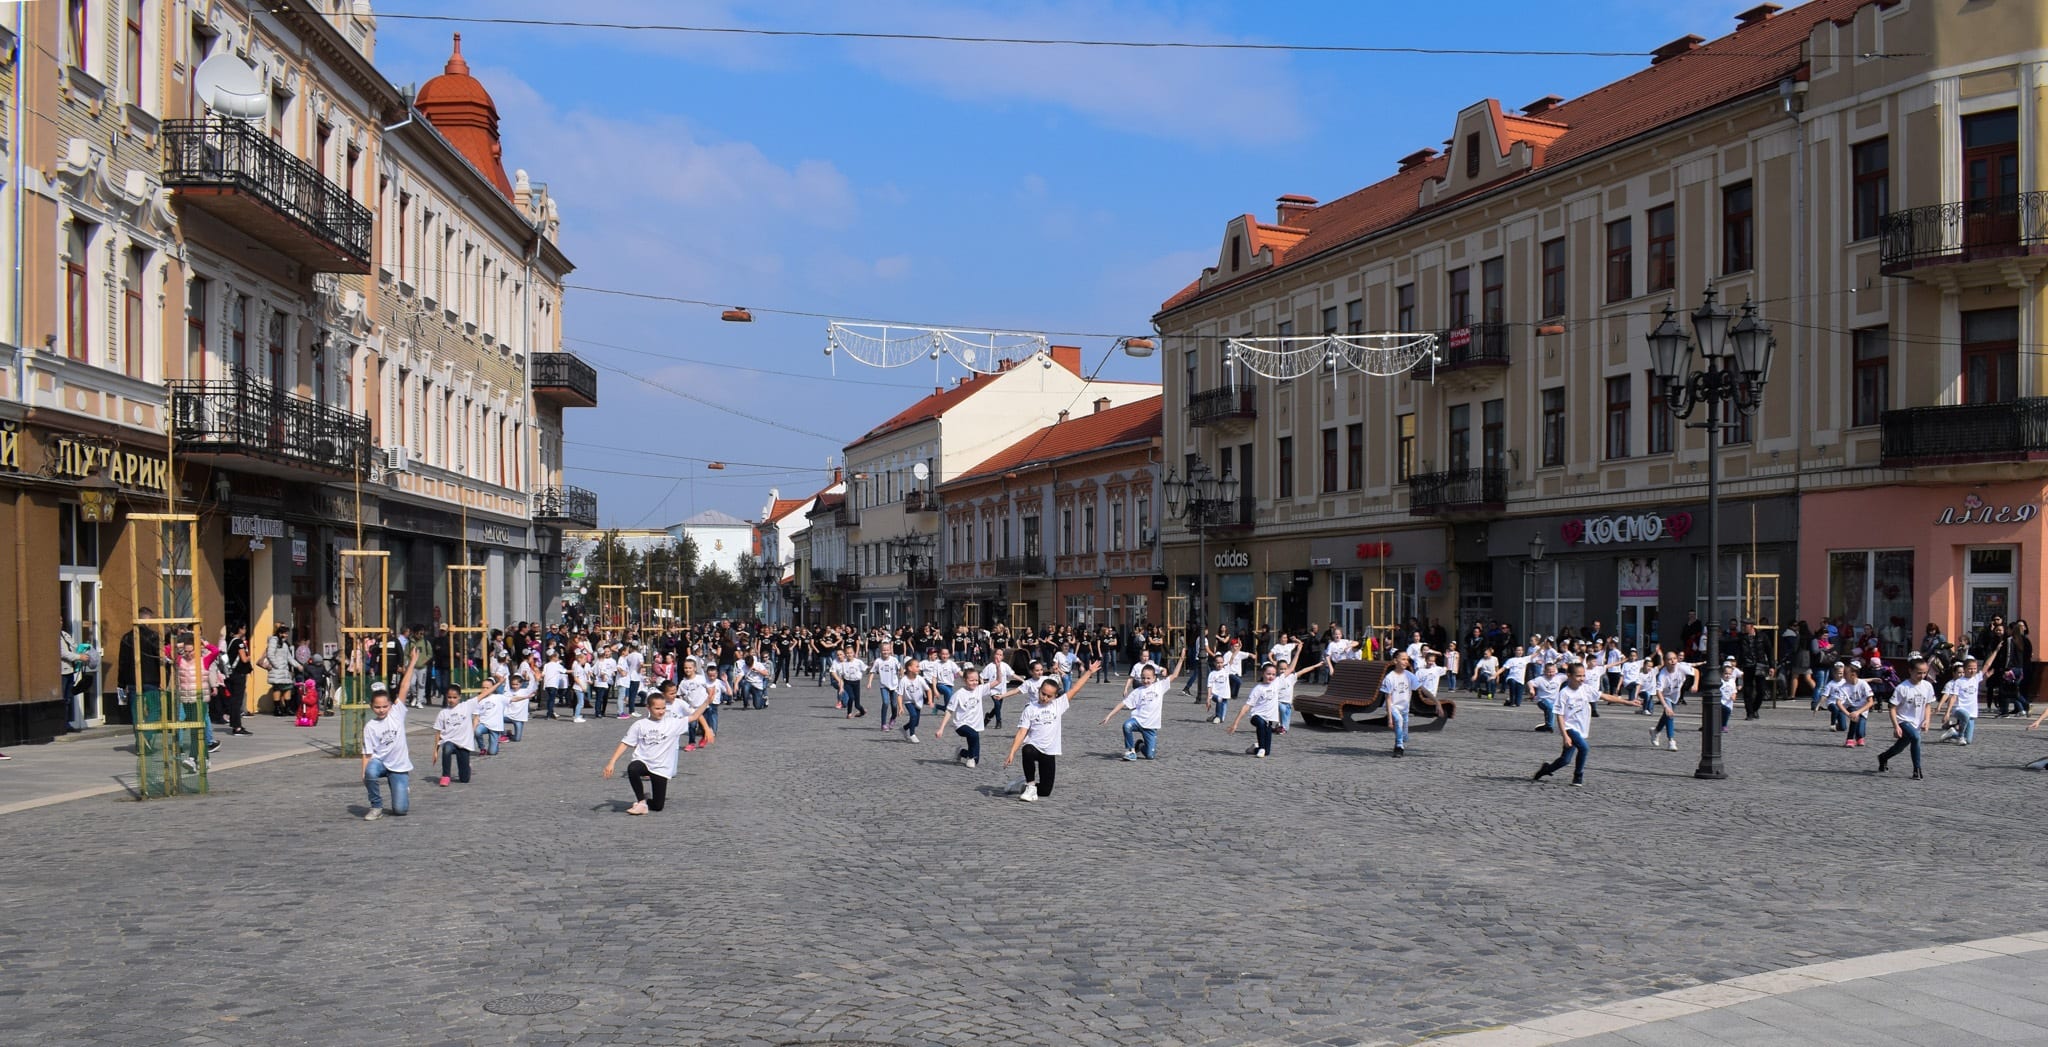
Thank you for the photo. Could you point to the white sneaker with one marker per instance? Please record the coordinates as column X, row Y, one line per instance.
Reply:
column 1029, row 795
column 1674, row 745
column 1015, row 787
column 1261, row 754
column 373, row 814
column 579, row 719
column 970, row 765
column 913, row 739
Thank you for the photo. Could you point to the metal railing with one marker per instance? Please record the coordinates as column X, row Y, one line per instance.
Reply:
column 1019, row 566
column 563, row 370
column 1236, row 514
column 232, row 154
column 247, row 416
column 1966, row 432
column 920, row 501
column 1216, row 405
column 565, row 504
column 1475, row 345
column 1457, row 489
column 1962, row 231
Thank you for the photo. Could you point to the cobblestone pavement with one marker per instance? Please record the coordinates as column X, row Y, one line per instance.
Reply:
column 818, row 880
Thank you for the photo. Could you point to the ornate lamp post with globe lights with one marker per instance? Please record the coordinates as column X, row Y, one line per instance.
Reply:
column 1734, row 363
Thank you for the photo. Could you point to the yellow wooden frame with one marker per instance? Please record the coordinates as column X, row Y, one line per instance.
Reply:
column 170, row 754
column 365, row 615
column 1760, row 605
column 468, row 622
column 1379, row 617
column 1266, row 615
column 611, row 607
column 653, row 610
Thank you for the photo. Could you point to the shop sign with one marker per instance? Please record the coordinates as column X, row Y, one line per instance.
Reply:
column 255, row 527
column 494, row 534
column 1375, row 550
column 1319, row 561
column 1637, row 577
column 1975, row 510
column 1610, row 530
column 298, row 552
column 1233, row 558
column 77, row 460
column 10, row 447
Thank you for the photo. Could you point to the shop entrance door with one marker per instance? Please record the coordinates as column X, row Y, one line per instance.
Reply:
column 1988, row 580
column 234, row 592
column 78, row 592
column 1638, row 624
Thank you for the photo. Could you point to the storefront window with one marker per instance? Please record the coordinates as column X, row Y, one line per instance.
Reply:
column 1875, row 588
column 1556, row 597
column 1347, row 601
column 1078, row 610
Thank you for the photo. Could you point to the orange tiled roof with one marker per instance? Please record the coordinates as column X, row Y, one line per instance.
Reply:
column 1100, row 430
column 827, row 503
column 939, row 402
column 1752, row 58
column 783, row 507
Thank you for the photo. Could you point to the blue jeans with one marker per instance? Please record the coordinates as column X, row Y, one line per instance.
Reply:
column 973, row 749
column 1575, row 750
column 710, row 722
column 582, row 700
column 1142, row 740
column 1966, row 725
column 486, row 740
column 632, row 695
column 1397, row 719
column 1909, row 738
column 517, row 729
column 1549, row 712
column 401, row 786
column 1858, row 727
column 1286, row 714
column 1220, row 704
column 458, row 757
column 1514, row 691
column 1836, row 722
column 911, row 715
column 1668, row 725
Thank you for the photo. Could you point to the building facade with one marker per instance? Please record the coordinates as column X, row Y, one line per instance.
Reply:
column 1860, row 169
column 1057, row 528
column 209, row 319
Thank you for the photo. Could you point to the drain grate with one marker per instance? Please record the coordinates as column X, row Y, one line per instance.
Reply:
column 529, row 1003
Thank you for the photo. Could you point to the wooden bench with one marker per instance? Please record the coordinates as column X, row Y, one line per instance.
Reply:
column 1353, row 699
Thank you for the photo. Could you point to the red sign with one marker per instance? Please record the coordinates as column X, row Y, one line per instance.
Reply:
column 1433, row 579
column 1459, row 338
column 1375, row 550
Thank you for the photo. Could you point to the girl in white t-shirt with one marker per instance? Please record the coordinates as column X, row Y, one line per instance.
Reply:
column 579, row 677
column 653, row 742
column 913, row 690
column 716, row 690
column 849, row 670
column 1263, row 706
column 1038, row 736
column 964, row 713
column 455, row 733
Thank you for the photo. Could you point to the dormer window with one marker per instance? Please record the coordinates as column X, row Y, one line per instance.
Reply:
column 1236, row 253
column 1472, row 155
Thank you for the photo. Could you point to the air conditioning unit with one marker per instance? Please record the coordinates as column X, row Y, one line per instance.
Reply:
column 1148, row 537
column 397, row 459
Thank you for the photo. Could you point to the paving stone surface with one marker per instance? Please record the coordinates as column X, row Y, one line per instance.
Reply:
column 817, row 880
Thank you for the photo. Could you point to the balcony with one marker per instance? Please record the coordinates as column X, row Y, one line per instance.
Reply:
column 1020, row 566
column 1458, row 491
column 1966, row 434
column 920, row 501
column 1477, row 346
column 233, row 171
column 565, row 507
column 1225, row 516
column 1231, row 403
column 563, row 378
column 246, row 424
column 1973, row 243
column 922, row 578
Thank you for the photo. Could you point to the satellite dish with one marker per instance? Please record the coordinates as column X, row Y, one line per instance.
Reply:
column 229, row 87
column 921, row 471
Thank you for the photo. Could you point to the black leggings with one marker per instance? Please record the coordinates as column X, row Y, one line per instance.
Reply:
column 639, row 777
column 973, row 750
column 1039, row 769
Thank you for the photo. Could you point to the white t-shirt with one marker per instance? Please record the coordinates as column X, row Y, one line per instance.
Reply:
column 1964, row 689
column 490, row 711
column 1219, row 683
column 691, row 693
column 1517, row 668
column 1234, row 661
column 516, row 707
column 965, row 706
column 913, row 689
column 1144, row 704
column 554, row 676
column 717, row 690
column 603, row 670
column 456, row 724
column 1263, row 701
column 1343, row 650
column 630, row 666
column 1854, row 696
column 580, row 673
column 1427, row 677
column 850, row 670
column 888, row 671
column 1575, row 707
column 945, row 674
column 1672, row 681
column 1731, row 681
column 1399, row 687
column 1545, row 687
column 1283, row 652
column 1041, row 723
column 1910, row 701
column 654, row 743
column 385, row 739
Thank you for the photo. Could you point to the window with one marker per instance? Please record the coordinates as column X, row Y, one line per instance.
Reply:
column 1404, row 307
column 1658, row 437
column 1493, row 446
column 1329, row 460
column 77, row 32
column 1354, row 446
column 323, row 136
column 1553, row 277
column 1088, row 525
column 1663, row 259
column 1493, row 296
column 1458, row 453
column 404, row 231
column 1553, row 426
column 1871, row 389
column 197, row 296
column 1460, row 312
column 1991, row 355
column 132, row 312
column 1618, row 401
column 1472, row 155
column 1354, row 316
column 1556, row 595
column 1404, row 448
column 1193, row 362
column 1873, row 587
column 1737, row 426
column 78, row 292
column 238, row 335
column 1284, row 329
column 1870, row 193
column 1144, row 518
column 1236, row 253
column 1116, row 523
column 355, row 158
column 1347, row 601
column 199, row 46
column 278, row 373
column 1621, row 260
column 1285, row 475
column 1738, row 228
column 280, row 108
column 1330, row 319
column 136, row 53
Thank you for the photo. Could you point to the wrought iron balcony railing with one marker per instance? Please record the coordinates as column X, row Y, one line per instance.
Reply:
column 920, row 501
column 564, row 378
column 1457, row 489
column 2011, row 430
column 1219, row 405
column 1020, row 566
column 1475, row 345
column 1218, row 515
column 1963, row 231
column 565, row 506
column 249, row 418
column 233, row 170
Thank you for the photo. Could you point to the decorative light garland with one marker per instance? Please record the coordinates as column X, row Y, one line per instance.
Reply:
column 1284, row 358
column 890, row 346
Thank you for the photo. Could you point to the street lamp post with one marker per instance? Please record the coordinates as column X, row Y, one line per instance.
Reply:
column 1735, row 362
column 1196, row 501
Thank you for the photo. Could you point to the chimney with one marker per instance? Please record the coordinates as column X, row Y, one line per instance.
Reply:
column 1675, row 48
column 1293, row 206
column 1101, row 404
column 1754, row 15
column 1067, row 356
column 1541, row 105
column 837, row 475
column 1417, row 158
column 1063, row 415
column 937, row 389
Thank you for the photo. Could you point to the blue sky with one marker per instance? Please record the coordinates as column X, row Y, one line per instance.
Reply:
column 1024, row 188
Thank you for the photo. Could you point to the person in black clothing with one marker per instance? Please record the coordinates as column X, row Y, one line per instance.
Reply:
column 134, row 676
column 1750, row 655
column 235, row 669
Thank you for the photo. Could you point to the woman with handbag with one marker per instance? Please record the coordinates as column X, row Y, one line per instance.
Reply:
column 278, row 663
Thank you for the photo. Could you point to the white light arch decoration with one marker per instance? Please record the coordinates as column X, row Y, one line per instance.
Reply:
column 1284, row 358
column 896, row 345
